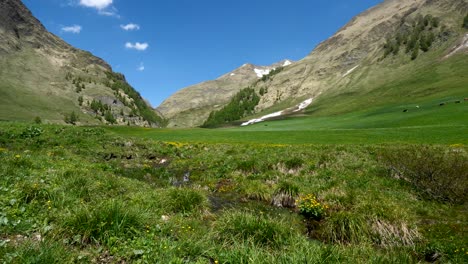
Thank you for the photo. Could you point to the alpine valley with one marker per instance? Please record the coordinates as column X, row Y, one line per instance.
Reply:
column 395, row 56
column 356, row 153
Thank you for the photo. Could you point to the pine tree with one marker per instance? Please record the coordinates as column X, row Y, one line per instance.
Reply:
column 415, row 53
column 37, row 120
column 71, row 118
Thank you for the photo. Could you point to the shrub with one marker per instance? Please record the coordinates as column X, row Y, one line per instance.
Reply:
column 415, row 53
column 80, row 100
column 260, row 230
column 71, row 118
column 37, row 120
column 31, row 132
column 436, row 172
column 465, row 22
column 109, row 117
column 310, row 207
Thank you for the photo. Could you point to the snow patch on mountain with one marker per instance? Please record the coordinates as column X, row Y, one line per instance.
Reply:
column 304, row 105
column 295, row 109
column 286, row 63
column 350, row 71
column 463, row 45
column 262, row 72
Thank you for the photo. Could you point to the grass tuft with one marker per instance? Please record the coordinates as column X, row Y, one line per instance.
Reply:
column 111, row 219
column 185, row 200
column 285, row 194
column 260, row 230
column 346, row 228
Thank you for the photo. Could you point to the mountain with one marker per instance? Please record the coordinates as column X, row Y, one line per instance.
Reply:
column 42, row 76
column 191, row 106
column 353, row 60
column 399, row 52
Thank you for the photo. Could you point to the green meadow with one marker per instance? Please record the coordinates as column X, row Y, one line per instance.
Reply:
column 260, row 194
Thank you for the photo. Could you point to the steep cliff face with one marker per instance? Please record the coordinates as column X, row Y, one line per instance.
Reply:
column 357, row 50
column 192, row 105
column 41, row 75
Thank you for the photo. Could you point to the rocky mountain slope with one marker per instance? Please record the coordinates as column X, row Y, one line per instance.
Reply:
column 192, row 105
column 353, row 57
column 360, row 66
column 42, row 76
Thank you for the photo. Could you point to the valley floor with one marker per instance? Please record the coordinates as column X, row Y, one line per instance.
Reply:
column 129, row 195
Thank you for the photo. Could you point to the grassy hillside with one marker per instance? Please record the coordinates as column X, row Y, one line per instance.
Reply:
column 77, row 194
column 428, row 80
column 33, row 85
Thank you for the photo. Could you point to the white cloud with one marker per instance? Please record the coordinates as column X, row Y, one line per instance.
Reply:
column 130, row 27
column 75, row 29
column 137, row 46
column 112, row 13
column 141, row 67
column 98, row 4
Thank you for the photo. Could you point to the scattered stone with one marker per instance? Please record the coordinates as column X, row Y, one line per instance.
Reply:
column 187, row 176
column 432, row 257
column 165, row 218
column 283, row 200
column 38, row 237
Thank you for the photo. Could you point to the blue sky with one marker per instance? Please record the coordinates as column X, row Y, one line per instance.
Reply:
column 176, row 43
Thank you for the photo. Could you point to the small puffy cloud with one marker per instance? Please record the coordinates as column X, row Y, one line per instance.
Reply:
column 111, row 13
column 98, row 4
column 130, row 27
column 75, row 29
column 141, row 67
column 137, row 46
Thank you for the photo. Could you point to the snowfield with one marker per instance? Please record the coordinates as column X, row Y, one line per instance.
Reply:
column 295, row 109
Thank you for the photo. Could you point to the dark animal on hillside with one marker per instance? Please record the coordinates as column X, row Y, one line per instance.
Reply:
column 457, row 102
column 406, row 110
column 441, row 104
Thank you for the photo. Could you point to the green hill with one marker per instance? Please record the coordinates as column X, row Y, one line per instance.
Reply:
column 42, row 76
